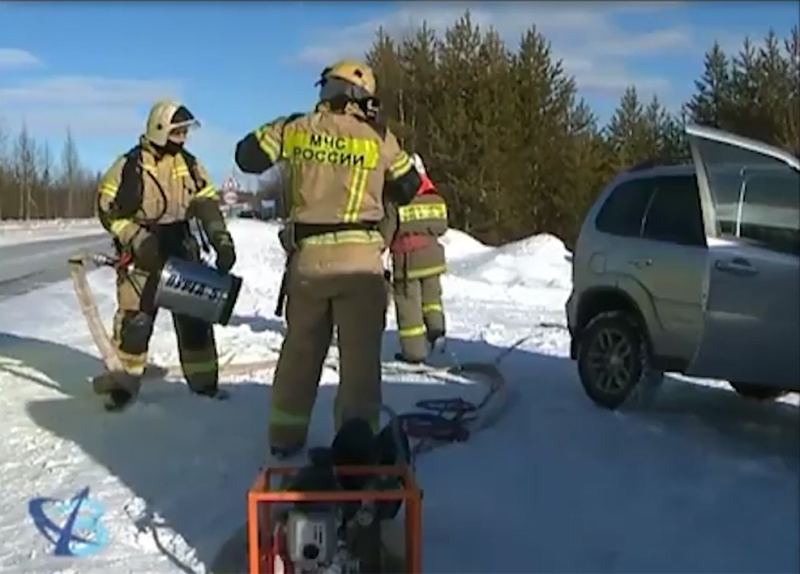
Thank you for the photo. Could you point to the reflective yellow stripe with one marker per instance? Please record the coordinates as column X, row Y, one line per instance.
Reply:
column 108, row 188
column 282, row 418
column 268, row 144
column 342, row 237
column 117, row 226
column 431, row 308
column 199, row 367
column 355, row 195
column 399, row 166
column 294, row 199
column 425, row 272
column 421, row 211
column 409, row 332
column 180, row 171
column 133, row 364
column 208, row 191
column 361, row 155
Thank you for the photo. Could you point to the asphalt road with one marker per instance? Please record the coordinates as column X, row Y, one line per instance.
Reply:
column 28, row 266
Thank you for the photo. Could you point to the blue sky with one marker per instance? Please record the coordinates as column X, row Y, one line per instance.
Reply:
column 96, row 66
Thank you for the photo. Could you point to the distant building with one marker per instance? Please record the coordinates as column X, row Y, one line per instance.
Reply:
column 271, row 187
column 230, row 196
column 264, row 203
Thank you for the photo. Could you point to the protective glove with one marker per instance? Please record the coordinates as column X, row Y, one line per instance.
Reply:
column 226, row 254
column 146, row 253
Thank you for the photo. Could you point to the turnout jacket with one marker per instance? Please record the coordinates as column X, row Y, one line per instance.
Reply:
column 337, row 166
column 411, row 232
column 145, row 189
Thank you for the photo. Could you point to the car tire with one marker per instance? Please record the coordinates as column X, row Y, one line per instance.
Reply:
column 611, row 358
column 757, row 392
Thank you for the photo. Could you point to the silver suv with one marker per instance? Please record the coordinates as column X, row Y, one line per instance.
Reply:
column 692, row 269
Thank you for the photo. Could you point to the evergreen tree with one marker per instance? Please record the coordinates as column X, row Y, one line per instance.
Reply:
column 631, row 135
column 513, row 148
column 712, row 101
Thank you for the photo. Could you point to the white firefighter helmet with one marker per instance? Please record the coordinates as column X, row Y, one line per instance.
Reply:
column 165, row 117
column 418, row 164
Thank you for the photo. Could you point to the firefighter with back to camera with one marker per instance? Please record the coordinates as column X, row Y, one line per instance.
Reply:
column 418, row 262
column 339, row 160
column 146, row 200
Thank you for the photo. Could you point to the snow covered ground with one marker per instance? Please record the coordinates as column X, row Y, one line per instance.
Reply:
column 14, row 231
column 702, row 481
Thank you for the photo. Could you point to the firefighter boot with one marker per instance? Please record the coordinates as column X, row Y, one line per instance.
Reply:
column 119, row 388
column 436, row 340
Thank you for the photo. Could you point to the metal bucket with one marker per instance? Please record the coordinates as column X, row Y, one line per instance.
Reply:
column 196, row 290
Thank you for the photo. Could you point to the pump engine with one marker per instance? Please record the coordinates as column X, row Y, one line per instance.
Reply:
column 340, row 536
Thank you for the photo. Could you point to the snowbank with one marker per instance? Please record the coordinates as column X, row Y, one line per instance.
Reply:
column 20, row 231
column 460, row 245
column 535, row 262
column 21, row 224
column 535, row 270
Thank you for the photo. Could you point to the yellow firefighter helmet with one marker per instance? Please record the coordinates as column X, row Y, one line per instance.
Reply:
column 165, row 117
column 355, row 79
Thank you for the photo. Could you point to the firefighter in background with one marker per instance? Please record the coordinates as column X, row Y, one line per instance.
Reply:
column 146, row 200
column 418, row 261
column 339, row 159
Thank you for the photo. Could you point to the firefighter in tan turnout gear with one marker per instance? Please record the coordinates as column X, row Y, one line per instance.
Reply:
column 146, row 200
column 418, row 261
column 340, row 161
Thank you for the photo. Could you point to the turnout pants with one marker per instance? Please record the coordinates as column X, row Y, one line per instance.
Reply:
column 133, row 328
column 356, row 305
column 420, row 315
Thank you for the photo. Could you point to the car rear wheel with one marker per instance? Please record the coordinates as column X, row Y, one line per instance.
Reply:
column 610, row 358
column 757, row 392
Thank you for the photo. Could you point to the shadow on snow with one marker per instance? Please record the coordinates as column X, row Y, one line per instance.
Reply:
column 191, row 460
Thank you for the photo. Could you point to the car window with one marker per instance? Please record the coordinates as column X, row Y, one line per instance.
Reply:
column 623, row 210
column 769, row 211
column 756, row 197
column 674, row 214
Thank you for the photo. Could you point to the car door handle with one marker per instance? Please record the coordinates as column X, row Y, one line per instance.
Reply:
column 736, row 266
column 640, row 262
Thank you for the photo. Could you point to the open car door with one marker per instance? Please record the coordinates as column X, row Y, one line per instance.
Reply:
column 750, row 193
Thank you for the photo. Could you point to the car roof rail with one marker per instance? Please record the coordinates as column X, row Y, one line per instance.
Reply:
column 655, row 162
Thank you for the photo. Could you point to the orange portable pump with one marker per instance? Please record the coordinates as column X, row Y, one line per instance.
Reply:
column 329, row 516
column 267, row 537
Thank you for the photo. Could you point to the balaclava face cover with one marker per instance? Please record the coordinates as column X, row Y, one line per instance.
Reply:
column 172, row 147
